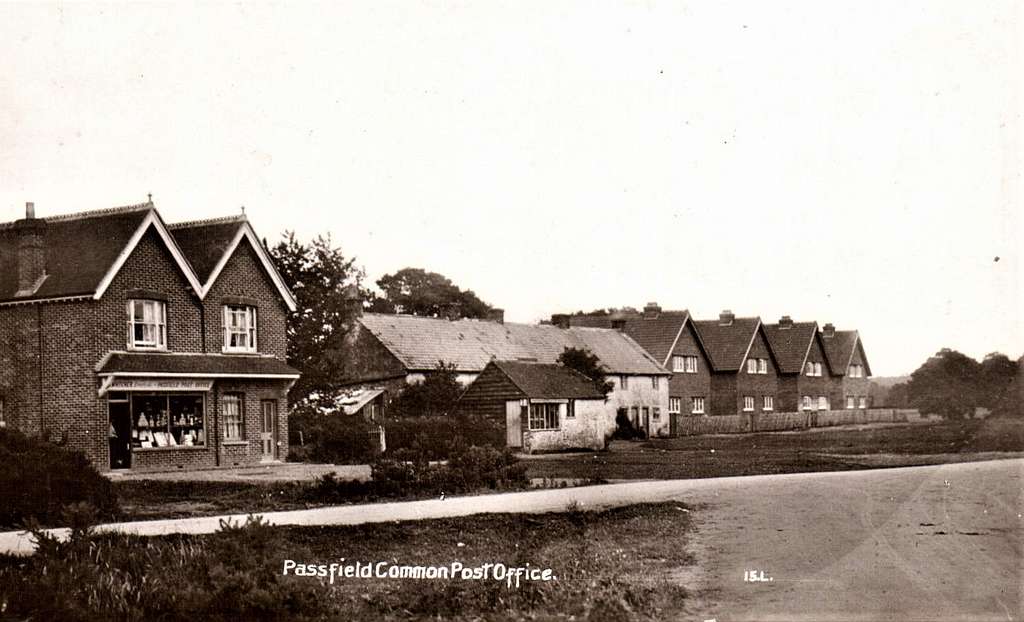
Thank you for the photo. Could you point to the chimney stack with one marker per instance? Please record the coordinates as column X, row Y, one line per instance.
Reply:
column 496, row 315
column 726, row 317
column 828, row 330
column 31, row 252
column 651, row 311
column 353, row 302
column 560, row 320
column 785, row 322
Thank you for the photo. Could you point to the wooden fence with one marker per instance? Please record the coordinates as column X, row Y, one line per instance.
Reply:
column 688, row 425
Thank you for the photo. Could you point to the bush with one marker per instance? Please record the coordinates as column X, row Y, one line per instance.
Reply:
column 334, row 439
column 39, row 480
column 624, row 428
column 435, row 437
column 234, row 574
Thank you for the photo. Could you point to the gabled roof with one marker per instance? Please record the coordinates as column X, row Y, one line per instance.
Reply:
column 727, row 344
column 83, row 252
column 420, row 342
column 839, row 350
column 548, row 381
column 791, row 344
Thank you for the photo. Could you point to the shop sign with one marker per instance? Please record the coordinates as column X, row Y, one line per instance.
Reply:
column 159, row 384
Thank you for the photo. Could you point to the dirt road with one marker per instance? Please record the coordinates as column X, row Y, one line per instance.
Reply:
column 931, row 543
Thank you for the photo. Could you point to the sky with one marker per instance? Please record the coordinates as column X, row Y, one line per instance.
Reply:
column 856, row 163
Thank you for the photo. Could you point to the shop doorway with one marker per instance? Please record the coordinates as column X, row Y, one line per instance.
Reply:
column 120, row 435
column 268, row 429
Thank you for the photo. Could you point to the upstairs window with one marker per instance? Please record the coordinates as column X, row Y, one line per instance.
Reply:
column 751, row 366
column 856, row 371
column 655, row 382
column 677, row 363
column 762, row 366
column 624, row 382
column 147, row 325
column 239, row 329
column 686, row 364
column 813, row 369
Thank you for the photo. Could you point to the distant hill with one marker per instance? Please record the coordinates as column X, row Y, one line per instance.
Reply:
column 888, row 381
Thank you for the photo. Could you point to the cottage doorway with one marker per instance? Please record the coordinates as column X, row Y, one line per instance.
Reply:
column 268, row 430
column 120, row 435
column 514, row 423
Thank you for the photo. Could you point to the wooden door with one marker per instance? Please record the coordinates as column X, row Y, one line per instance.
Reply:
column 513, row 423
column 268, row 429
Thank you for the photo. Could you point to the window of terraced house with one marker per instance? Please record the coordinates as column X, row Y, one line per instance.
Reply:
column 862, row 402
column 856, row 371
column 677, row 363
column 822, row 403
column 685, row 363
column 239, row 329
column 769, row 402
column 698, row 405
column 675, row 405
column 748, row 402
column 147, row 325
column 544, row 416
column 751, row 366
column 232, row 411
column 807, row 403
column 850, row 402
column 762, row 366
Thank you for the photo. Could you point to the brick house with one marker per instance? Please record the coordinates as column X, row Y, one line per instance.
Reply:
column 849, row 366
column 670, row 337
column 805, row 376
column 385, row 352
column 744, row 371
column 541, row 406
column 145, row 346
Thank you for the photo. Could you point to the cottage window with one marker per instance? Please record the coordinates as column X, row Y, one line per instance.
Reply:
column 748, row 403
column 654, row 382
column 624, row 382
column 751, row 366
column 675, row 405
column 232, row 414
column 655, row 413
column 817, row 369
column 850, row 402
column 544, row 416
column 809, row 369
column 686, row 364
column 570, row 410
column 762, row 366
column 147, row 325
column 807, row 403
column 698, row 405
column 678, row 364
column 822, row 402
column 239, row 329
column 862, row 402
column 856, row 371
column 167, row 420
column 769, row 402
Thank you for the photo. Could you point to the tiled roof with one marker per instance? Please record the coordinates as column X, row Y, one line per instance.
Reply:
column 591, row 321
column 790, row 345
column 419, row 343
column 199, row 364
column 79, row 249
column 204, row 242
column 549, row 381
column 839, row 350
column 657, row 333
column 727, row 344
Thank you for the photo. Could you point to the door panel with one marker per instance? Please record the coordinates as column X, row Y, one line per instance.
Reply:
column 268, row 429
column 513, row 424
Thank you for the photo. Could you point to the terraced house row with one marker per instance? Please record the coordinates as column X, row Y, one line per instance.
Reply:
column 733, row 365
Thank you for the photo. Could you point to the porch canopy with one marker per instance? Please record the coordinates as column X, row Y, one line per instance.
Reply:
column 147, row 371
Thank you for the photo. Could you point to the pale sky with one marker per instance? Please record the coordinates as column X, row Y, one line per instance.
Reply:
column 856, row 163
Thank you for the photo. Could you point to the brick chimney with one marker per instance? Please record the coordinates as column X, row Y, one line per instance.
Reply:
column 828, row 330
column 496, row 315
column 31, row 252
column 785, row 322
column 560, row 320
column 726, row 317
column 651, row 311
column 353, row 302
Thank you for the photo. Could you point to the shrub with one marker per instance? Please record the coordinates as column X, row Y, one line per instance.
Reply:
column 234, row 574
column 624, row 428
column 334, row 439
column 435, row 437
column 38, row 481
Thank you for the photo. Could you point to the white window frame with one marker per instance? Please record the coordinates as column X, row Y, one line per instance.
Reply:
column 768, row 403
column 624, row 383
column 655, row 413
column 762, row 366
column 248, row 331
column 697, row 402
column 809, row 369
column 159, row 322
column 748, row 403
column 817, row 370
column 851, row 402
column 548, row 415
column 655, row 382
column 678, row 363
column 856, row 371
column 823, row 403
column 862, row 402
column 233, row 422
column 675, row 405
column 807, row 403
column 751, row 366
column 690, row 364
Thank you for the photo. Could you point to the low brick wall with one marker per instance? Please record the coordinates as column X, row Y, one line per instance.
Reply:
column 769, row 422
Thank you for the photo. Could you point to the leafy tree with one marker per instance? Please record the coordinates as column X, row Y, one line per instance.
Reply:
column 319, row 275
column 587, row 364
column 995, row 377
column 428, row 294
column 898, row 396
column 434, row 396
column 946, row 385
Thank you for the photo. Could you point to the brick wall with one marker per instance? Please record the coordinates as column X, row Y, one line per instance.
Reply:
column 757, row 385
column 687, row 386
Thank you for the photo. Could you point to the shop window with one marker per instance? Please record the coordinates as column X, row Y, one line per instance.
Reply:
column 544, row 416
column 239, row 328
column 147, row 325
column 167, row 420
column 232, row 412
